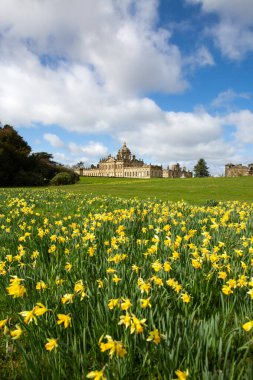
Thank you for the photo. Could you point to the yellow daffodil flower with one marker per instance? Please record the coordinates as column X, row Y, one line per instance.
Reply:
column 15, row 289
column 114, row 347
column 185, row 297
column 145, row 302
column 3, row 323
column 28, row 316
column 248, row 326
column 181, row 375
column 15, row 334
column 39, row 309
column 96, row 375
column 51, row 344
column 65, row 319
column 67, row 298
column 154, row 336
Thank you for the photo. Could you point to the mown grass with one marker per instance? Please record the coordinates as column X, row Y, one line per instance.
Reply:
column 192, row 190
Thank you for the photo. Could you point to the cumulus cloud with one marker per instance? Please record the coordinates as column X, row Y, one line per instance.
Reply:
column 87, row 65
column 76, row 63
column 233, row 32
column 93, row 149
column 184, row 136
column 225, row 98
column 116, row 40
column 53, row 140
column 243, row 120
column 201, row 57
column 241, row 10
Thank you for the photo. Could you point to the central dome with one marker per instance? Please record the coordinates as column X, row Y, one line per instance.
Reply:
column 124, row 148
column 124, row 152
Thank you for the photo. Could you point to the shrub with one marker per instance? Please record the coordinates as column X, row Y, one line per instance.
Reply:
column 63, row 178
column 211, row 203
column 74, row 176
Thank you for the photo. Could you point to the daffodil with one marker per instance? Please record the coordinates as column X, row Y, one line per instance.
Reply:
column 114, row 347
column 67, row 298
column 125, row 320
column 222, row 275
column 167, row 266
column 135, row 268
column 116, row 279
column 145, row 302
column 154, row 336
column 16, row 289
column 65, row 319
column 96, row 375
column 125, row 304
column 248, row 326
column 3, row 323
column 15, row 334
column 137, row 325
column 68, row 267
column 113, row 303
column 41, row 285
column 79, row 289
column 100, row 283
column 28, row 316
column 250, row 292
column 185, row 297
column 51, row 344
column 227, row 290
column 181, row 375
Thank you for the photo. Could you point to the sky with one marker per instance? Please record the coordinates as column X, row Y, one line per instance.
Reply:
column 171, row 78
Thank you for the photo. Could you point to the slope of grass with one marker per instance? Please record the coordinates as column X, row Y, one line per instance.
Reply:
column 192, row 190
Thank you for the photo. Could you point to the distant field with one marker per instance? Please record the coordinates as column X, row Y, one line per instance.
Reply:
column 192, row 190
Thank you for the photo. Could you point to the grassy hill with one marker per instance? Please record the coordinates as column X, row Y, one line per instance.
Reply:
column 192, row 190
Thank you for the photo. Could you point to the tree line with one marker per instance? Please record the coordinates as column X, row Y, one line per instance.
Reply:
column 20, row 167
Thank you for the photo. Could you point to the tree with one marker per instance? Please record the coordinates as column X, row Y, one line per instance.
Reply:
column 14, row 153
column 20, row 167
column 79, row 165
column 201, row 169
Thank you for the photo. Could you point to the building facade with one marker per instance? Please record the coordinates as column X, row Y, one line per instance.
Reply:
column 126, row 165
column 238, row 170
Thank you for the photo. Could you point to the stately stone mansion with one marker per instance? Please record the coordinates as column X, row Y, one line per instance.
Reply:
column 239, row 170
column 126, row 165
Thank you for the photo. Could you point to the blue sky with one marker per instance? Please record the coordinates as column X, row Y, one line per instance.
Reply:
column 172, row 78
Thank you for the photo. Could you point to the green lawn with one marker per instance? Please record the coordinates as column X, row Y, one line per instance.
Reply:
column 192, row 190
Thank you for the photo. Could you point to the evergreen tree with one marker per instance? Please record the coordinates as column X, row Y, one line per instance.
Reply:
column 201, row 169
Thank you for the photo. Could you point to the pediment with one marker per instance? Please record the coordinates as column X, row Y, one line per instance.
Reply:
column 110, row 159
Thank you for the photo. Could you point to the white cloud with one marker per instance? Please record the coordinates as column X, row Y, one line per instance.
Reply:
column 53, row 140
column 225, row 98
column 61, row 157
column 234, row 40
column 233, row 33
column 201, row 57
column 179, row 136
column 243, row 120
column 237, row 9
column 93, row 149
column 125, row 50
column 86, row 66
column 99, row 58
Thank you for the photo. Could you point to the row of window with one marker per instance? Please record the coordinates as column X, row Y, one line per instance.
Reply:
column 126, row 174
